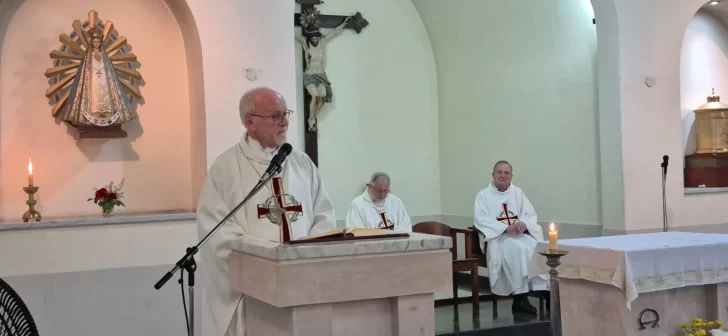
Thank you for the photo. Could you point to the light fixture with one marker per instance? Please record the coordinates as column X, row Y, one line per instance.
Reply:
column 715, row 2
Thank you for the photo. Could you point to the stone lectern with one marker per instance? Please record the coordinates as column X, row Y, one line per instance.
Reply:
column 363, row 287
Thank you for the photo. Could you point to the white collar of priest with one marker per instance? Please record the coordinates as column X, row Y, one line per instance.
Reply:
column 495, row 189
column 255, row 144
column 252, row 150
column 369, row 199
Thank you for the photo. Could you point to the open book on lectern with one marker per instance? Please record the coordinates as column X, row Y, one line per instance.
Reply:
column 350, row 234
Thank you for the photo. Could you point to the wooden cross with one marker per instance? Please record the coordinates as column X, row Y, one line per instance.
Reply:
column 311, row 23
column 507, row 215
column 279, row 210
column 385, row 223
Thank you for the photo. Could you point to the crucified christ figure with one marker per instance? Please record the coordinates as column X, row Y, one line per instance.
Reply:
column 314, row 76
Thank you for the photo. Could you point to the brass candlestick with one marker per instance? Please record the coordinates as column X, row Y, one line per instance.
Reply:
column 553, row 260
column 31, row 202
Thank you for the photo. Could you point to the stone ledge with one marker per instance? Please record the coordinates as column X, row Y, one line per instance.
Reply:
column 60, row 222
column 692, row 191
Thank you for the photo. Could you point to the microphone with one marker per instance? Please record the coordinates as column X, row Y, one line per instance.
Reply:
column 277, row 161
column 664, row 201
column 664, row 164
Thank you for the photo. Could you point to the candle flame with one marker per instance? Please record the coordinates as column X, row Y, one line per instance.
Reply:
column 30, row 166
column 552, row 227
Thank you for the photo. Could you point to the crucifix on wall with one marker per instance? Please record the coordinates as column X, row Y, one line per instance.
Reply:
column 317, row 87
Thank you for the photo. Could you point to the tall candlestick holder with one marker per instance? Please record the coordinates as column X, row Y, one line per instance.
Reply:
column 553, row 260
column 31, row 202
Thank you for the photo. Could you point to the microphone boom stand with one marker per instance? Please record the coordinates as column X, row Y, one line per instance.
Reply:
column 664, row 201
column 187, row 263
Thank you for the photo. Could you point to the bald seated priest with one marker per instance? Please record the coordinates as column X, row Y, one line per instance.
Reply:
column 378, row 208
column 231, row 177
column 506, row 220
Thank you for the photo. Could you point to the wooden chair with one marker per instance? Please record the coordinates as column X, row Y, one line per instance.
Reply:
column 479, row 254
column 458, row 265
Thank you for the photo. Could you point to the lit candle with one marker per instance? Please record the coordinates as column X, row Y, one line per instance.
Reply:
column 30, row 172
column 553, row 236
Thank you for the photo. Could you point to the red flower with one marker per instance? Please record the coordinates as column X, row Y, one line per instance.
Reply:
column 111, row 196
column 101, row 193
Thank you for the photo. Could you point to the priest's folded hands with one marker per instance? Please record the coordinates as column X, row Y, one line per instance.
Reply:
column 517, row 228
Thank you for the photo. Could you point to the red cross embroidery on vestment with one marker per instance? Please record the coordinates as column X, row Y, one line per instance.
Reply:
column 507, row 215
column 278, row 207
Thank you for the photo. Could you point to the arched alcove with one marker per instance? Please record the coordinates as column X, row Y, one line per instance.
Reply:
column 704, row 73
column 162, row 160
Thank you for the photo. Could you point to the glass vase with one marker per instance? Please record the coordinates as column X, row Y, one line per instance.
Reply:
column 107, row 213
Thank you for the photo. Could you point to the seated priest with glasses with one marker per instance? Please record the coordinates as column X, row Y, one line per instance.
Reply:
column 378, row 208
column 506, row 220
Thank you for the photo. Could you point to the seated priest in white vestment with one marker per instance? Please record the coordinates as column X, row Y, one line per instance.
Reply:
column 378, row 208
column 506, row 220
column 231, row 177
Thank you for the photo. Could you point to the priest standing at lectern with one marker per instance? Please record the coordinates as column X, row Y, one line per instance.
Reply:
column 378, row 208
column 506, row 220
column 231, row 177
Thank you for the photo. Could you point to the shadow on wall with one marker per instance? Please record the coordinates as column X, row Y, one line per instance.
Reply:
column 193, row 51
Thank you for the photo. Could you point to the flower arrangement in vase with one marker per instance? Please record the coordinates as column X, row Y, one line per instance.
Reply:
column 700, row 327
column 109, row 197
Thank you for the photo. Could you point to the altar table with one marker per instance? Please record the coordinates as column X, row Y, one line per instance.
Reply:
column 606, row 283
column 382, row 287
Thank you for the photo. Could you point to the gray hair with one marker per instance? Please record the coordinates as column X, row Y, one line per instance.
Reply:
column 501, row 162
column 247, row 102
column 376, row 176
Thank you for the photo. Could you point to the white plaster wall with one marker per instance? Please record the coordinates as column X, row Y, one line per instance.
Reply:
column 236, row 35
column 610, row 135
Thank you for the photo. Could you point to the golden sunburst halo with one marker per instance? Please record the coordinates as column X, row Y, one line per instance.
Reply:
column 67, row 58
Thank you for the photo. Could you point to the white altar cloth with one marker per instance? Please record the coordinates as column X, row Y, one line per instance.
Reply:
column 642, row 263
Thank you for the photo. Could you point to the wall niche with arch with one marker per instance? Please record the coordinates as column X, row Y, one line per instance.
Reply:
column 704, row 90
column 163, row 157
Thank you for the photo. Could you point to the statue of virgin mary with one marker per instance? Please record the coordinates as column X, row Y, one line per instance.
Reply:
column 97, row 96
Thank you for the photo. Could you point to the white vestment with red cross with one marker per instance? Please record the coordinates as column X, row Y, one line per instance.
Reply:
column 297, row 193
column 390, row 214
column 495, row 210
column 281, row 208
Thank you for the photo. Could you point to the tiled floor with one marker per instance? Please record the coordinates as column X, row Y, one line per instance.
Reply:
column 452, row 321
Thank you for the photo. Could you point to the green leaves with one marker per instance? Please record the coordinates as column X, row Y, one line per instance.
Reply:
column 109, row 197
